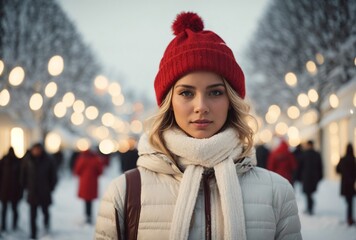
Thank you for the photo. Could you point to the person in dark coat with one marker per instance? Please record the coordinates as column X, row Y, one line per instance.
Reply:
column 88, row 167
column 10, row 189
column 262, row 153
column 347, row 168
column 298, row 151
column 38, row 177
column 311, row 170
column 129, row 158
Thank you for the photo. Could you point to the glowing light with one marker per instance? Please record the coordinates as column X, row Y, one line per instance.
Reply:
column 106, row 146
column 77, row 118
column 91, row 112
column 291, row 79
column 274, row 110
column 136, row 126
column 68, row 99
column 53, row 142
column 114, row 89
column 281, row 128
column 101, row 82
column 310, row 117
column 36, row 101
column 101, row 132
column 118, row 100
column 83, row 144
column 78, row 106
column 60, row 110
column 319, row 58
column 294, row 142
column 266, row 135
column 18, row 141
column 2, row 67
column 124, row 146
column 313, row 95
column 120, row 126
column 55, row 65
column 334, row 101
column 4, row 97
column 270, row 118
column 16, row 76
column 293, row 133
column 108, row 119
column 51, row 89
column 293, row 112
column 303, row 100
column 311, row 67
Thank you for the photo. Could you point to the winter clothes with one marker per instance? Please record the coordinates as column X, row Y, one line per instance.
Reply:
column 311, row 170
column 39, row 177
column 282, row 161
column 262, row 153
column 128, row 159
column 196, row 49
column 88, row 167
column 347, row 168
column 10, row 189
column 233, row 197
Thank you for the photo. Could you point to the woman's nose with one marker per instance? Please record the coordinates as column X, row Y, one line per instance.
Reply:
column 201, row 105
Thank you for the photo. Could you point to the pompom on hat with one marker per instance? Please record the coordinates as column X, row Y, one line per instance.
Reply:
column 196, row 49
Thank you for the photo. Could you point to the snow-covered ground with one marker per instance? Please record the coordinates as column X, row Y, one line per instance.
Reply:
column 67, row 213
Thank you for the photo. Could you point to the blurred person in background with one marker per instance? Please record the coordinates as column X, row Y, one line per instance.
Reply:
column 38, row 177
column 129, row 158
column 88, row 168
column 262, row 153
column 10, row 189
column 282, row 161
column 298, row 151
column 347, row 168
column 311, row 173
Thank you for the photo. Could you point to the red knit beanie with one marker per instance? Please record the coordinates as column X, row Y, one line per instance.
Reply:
column 195, row 49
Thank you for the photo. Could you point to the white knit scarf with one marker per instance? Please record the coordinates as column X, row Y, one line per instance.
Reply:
column 218, row 152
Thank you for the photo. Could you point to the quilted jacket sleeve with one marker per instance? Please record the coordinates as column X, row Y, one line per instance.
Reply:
column 112, row 203
column 286, row 211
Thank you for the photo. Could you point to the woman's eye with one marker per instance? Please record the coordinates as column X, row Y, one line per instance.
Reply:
column 186, row 93
column 216, row 93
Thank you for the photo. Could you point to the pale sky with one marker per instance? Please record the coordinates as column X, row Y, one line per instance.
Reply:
column 129, row 37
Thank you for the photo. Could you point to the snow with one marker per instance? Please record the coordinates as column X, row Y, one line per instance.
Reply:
column 67, row 212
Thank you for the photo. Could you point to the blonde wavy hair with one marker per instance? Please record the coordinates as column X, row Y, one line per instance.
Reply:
column 238, row 117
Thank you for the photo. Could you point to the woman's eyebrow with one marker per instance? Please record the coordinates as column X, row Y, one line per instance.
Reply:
column 184, row 86
column 192, row 87
column 216, row 85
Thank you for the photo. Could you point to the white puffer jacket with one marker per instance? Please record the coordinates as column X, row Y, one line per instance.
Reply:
column 269, row 204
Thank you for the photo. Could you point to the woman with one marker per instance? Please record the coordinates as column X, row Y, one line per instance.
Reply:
column 196, row 162
column 282, row 161
column 88, row 167
column 10, row 187
column 347, row 168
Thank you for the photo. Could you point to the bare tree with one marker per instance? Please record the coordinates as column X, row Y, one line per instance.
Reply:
column 290, row 34
column 34, row 31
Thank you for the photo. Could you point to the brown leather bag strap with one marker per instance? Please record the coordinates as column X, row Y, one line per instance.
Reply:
column 132, row 203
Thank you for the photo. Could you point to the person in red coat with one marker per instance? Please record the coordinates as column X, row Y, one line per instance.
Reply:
column 88, row 167
column 282, row 161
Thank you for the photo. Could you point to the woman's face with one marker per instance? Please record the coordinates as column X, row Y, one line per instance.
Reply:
column 200, row 104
